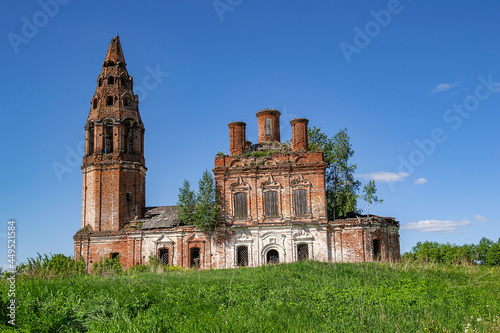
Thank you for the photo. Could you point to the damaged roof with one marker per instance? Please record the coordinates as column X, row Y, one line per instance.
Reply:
column 160, row 217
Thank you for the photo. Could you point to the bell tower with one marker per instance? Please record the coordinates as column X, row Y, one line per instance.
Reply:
column 114, row 171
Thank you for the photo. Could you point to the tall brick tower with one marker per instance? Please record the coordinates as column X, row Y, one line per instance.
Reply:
column 113, row 168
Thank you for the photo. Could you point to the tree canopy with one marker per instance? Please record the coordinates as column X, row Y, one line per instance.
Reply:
column 341, row 187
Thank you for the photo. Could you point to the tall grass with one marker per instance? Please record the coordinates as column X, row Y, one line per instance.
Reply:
column 300, row 297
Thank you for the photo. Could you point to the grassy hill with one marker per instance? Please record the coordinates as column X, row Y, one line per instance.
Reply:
column 300, row 297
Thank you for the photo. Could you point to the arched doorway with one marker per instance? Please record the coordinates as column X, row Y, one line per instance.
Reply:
column 376, row 250
column 272, row 257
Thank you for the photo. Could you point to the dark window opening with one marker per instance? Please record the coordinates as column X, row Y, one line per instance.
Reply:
column 240, row 205
column 95, row 103
column 300, row 202
column 376, row 250
column 302, row 252
column 163, row 256
column 114, row 255
column 195, row 257
column 100, row 82
column 268, row 125
column 111, row 80
column 122, row 82
column 126, row 101
column 108, row 139
column 129, row 137
column 109, row 100
column 271, row 203
column 273, row 257
column 129, row 196
column 242, row 256
column 91, row 139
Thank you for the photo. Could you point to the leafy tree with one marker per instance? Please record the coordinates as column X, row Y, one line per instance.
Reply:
column 369, row 195
column 482, row 250
column 186, row 203
column 341, row 187
column 493, row 255
column 206, row 211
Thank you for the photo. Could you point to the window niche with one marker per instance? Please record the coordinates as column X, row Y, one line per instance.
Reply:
column 90, row 138
column 240, row 192
column 111, row 80
column 129, row 137
column 301, row 197
column 109, row 100
column 271, row 193
column 108, row 136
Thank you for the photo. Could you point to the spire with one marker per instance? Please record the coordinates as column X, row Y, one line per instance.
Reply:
column 115, row 53
column 114, row 95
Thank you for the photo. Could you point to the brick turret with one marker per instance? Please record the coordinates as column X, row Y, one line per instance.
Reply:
column 237, row 139
column 299, row 134
column 113, row 166
column 269, row 125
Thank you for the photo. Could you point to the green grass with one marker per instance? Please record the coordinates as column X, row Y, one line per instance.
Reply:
column 299, row 297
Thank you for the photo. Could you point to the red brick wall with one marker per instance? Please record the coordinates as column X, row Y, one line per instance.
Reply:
column 274, row 115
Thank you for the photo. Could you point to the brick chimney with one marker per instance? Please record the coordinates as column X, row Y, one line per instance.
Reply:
column 299, row 134
column 269, row 125
column 237, row 137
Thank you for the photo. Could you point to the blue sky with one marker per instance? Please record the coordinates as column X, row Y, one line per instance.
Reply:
column 414, row 82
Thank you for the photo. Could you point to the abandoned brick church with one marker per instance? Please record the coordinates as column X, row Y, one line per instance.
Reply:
column 272, row 202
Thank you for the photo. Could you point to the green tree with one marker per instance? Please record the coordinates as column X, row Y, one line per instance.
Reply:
column 341, row 187
column 369, row 195
column 186, row 203
column 482, row 250
column 493, row 255
column 206, row 211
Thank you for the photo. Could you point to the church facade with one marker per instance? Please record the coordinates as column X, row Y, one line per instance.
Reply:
column 271, row 194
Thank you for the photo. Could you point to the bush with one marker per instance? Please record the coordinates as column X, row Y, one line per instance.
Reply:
column 107, row 266
column 55, row 265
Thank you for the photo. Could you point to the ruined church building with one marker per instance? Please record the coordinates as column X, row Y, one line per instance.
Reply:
column 274, row 205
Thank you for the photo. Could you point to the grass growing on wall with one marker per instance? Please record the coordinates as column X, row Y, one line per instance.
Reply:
column 300, row 297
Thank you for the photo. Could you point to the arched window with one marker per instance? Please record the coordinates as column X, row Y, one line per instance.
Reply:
column 111, row 80
column 302, row 252
column 109, row 100
column 376, row 250
column 272, row 257
column 126, row 101
column 95, row 103
column 123, row 83
column 240, row 205
column 90, row 143
column 242, row 256
column 195, row 257
column 129, row 137
column 271, row 203
column 100, row 82
column 163, row 256
column 108, row 137
column 300, row 202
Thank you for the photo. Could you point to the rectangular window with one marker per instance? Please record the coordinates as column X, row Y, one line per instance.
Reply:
column 240, row 205
column 300, row 202
column 195, row 257
column 302, row 252
column 268, row 126
column 271, row 203
column 242, row 256
column 163, row 256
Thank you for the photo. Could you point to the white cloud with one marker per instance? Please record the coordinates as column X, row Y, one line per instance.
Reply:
column 420, row 181
column 446, row 226
column 443, row 87
column 480, row 218
column 384, row 177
